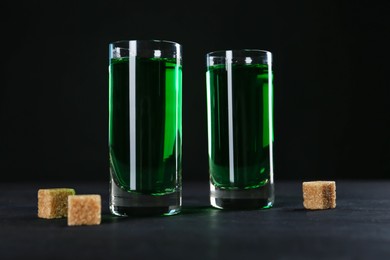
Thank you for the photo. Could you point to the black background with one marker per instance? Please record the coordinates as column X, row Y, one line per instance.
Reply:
column 331, row 78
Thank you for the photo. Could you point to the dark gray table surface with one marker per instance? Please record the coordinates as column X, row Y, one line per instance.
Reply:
column 359, row 228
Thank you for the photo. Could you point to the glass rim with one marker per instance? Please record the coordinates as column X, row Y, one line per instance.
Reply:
column 222, row 53
column 145, row 41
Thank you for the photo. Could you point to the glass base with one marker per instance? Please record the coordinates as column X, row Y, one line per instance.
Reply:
column 258, row 198
column 123, row 203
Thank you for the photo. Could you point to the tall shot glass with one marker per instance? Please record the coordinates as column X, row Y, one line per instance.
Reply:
column 240, row 128
column 145, row 127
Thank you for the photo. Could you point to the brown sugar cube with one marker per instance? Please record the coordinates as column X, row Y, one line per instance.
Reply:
column 53, row 203
column 319, row 195
column 84, row 210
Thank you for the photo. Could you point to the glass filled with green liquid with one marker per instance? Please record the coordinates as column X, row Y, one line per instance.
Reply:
column 145, row 127
column 240, row 128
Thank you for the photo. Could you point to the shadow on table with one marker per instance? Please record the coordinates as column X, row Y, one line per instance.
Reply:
column 186, row 211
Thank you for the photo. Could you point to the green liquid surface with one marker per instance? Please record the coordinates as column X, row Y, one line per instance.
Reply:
column 251, row 115
column 158, row 123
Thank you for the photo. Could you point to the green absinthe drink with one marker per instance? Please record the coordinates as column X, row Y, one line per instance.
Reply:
column 240, row 131
column 145, row 96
